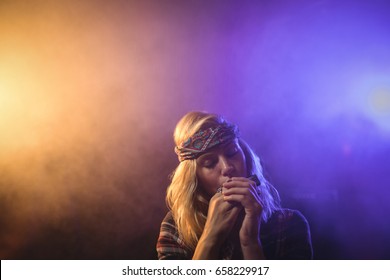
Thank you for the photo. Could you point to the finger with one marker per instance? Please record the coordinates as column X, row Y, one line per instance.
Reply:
column 239, row 182
column 253, row 209
column 219, row 205
column 247, row 201
column 242, row 199
column 216, row 197
column 240, row 190
column 249, row 191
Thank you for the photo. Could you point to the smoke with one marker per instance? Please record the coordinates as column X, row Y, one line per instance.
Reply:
column 90, row 92
column 79, row 163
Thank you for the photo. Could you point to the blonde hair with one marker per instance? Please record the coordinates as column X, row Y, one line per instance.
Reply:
column 186, row 200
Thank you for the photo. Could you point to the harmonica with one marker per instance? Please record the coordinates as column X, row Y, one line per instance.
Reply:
column 253, row 177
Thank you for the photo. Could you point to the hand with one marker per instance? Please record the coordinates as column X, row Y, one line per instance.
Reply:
column 244, row 191
column 221, row 218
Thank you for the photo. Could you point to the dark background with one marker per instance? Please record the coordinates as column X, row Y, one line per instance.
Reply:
column 90, row 92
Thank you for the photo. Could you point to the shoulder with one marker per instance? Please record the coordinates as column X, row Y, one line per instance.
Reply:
column 168, row 227
column 168, row 218
column 169, row 243
column 288, row 215
column 288, row 220
column 289, row 231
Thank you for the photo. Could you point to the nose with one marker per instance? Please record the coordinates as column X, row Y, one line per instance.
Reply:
column 227, row 167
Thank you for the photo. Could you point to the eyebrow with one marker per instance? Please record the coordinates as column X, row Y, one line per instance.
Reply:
column 223, row 146
column 205, row 156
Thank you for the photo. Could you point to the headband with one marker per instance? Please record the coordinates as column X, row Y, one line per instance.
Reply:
column 205, row 139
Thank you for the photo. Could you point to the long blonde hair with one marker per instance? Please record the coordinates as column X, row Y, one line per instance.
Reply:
column 187, row 202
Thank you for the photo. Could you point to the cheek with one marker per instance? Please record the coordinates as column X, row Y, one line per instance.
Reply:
column 243, row 166
column 207, row 180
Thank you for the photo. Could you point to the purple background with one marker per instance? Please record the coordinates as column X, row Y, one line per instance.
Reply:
column 91, row 92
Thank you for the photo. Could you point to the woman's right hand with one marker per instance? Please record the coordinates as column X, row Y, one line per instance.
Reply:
column 221, row 218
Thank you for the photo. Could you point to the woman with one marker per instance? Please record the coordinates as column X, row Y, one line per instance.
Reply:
column 216, row 211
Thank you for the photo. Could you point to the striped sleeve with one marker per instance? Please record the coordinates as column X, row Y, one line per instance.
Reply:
column 169, row 245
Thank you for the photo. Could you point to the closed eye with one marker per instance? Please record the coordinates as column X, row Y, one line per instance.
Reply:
column 208, row 162
column 231, row 152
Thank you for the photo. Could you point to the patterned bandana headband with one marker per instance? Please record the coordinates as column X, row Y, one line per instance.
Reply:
column 203, row 140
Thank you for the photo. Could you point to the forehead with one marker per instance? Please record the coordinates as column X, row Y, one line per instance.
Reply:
column 219, row 148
